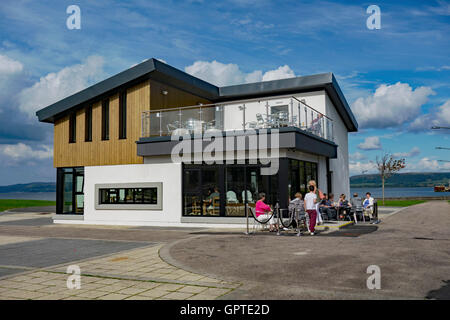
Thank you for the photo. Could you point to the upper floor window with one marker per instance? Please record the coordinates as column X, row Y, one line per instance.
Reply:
column 123, row 115
column 73, row 127
column 88, row 124
column 105, row 119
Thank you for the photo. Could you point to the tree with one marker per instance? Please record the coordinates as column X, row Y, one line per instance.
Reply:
column 387, row 165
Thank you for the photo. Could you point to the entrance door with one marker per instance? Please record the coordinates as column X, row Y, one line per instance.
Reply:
column 70, row 191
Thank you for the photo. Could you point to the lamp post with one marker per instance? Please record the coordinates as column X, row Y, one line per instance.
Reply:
column 438, row 127
column 442, row 148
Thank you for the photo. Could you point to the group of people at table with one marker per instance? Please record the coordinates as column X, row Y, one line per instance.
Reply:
column 316, row 206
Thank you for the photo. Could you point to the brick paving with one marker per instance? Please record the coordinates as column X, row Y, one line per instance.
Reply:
column 134, row 274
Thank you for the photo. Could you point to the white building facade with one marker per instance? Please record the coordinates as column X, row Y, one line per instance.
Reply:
column 298, row 126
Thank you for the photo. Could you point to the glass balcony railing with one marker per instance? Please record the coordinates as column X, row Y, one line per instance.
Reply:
column 261, row 114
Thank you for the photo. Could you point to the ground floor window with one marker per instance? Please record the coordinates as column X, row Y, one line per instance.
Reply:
column 300, row 172
column 129, row 195
column 70, row 190
column 223, row 190
column 125, row 196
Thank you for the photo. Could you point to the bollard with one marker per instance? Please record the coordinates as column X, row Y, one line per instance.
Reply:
column 277, row 210
column 246, row 214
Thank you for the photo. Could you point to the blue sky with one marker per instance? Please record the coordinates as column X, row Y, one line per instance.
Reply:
column 396, row 79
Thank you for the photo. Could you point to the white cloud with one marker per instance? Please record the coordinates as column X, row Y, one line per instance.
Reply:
column 362, row 167
column 21, row 151
column 357, row 156
column 9, row 66
column 439, row 69
column 56, row 86
column 437, row 117
column 428, row 165
column 222, row 74
column 282, row 72
column 390, row 105
column 370, row 143
column 412, row 153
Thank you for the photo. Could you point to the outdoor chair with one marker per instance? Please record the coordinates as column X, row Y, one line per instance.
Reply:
column 256, row 225
column 231, row 197
column 261, row 123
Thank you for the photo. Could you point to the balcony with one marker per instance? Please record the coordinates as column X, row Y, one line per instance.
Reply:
column 270, row 113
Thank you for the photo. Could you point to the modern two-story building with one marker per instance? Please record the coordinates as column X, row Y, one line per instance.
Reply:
column 154, row 145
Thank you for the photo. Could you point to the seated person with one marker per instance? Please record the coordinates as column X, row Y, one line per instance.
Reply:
column 298, row 206
column 263, row 212
column 332, row 211
column 355, row 203
column 344, row 206
column 211, row 197
column 368, row 207
column 324, row 206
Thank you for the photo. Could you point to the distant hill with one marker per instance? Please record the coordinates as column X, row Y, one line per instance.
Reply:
column 419, row 179
column 30, row 187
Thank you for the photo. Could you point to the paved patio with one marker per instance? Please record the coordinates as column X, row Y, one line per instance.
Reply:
column 34, row 267
column 119, row 262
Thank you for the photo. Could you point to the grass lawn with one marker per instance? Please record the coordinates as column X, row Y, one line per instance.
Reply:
column 399, row 203
column 6, row 204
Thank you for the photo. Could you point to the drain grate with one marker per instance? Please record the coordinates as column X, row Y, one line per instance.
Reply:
column 422, row 238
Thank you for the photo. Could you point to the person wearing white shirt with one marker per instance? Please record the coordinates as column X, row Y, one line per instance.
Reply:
column 310, row 206
column 368, row 206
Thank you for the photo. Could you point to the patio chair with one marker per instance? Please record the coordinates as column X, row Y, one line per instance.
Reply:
column 257, row 224
column 359, row 210
column 231, row 197
column 260, row 122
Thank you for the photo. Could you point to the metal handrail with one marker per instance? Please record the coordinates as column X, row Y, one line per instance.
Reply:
column 304, row 103
column 318, row 120
column 210, row 105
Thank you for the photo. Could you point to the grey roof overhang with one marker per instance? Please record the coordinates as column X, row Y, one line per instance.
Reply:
column 290, row 138
column 150, row 69
column 159, row 71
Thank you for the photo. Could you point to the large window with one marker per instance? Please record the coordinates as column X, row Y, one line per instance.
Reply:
column 202, row 190
column 129, row 195
column 88, row 124
column 145, row 196
column 300, row 173
column 70, row 190
column 123, row 115
column 105, row 119
column 223, row 190
column 72, row 127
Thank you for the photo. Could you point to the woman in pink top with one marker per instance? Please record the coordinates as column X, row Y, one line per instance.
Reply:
column 262, row 211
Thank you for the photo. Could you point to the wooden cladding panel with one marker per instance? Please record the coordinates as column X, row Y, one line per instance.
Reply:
column 99, row 152
column 174, row 98
column 141, row 97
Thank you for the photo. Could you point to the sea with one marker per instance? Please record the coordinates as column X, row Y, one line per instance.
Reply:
column 29, row 195
column 376, row 193
column 400, row 192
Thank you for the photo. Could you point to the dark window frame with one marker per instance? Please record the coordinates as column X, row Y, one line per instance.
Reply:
column 60, row 176
column 123, row 115
column 221, row 185
column 88, row 124
column 73, row 127
column 134, row 191
column 105, row 120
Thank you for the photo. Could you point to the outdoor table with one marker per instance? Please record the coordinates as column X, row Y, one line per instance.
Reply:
column 340, row 209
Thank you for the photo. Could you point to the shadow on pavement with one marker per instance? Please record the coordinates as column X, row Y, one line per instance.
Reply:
column 443, row 293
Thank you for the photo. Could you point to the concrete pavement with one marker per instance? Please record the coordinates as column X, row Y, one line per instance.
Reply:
column 411, row 247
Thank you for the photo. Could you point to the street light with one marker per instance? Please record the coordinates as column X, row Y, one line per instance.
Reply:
column 443, row 160
column 443, row 148
column 436, row 127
